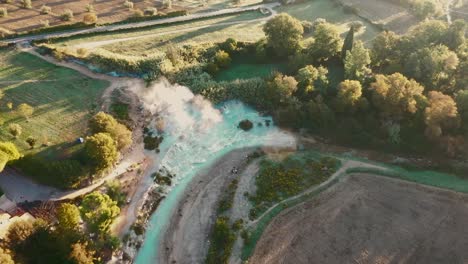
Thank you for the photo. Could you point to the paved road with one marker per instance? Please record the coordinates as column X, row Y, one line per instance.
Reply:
column 163, row 21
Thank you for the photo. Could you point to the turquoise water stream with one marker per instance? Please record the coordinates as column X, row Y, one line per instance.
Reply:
column 187, row 151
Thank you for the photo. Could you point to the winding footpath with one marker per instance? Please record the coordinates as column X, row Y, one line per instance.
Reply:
column 348, row 164
column 136, row 25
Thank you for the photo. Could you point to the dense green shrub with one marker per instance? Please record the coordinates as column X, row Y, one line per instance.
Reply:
column 59, row 173
column 67, row 15
column 26, row 4
column 45, row 9
column 223, row 239
column 110, row 61
column 151, row 11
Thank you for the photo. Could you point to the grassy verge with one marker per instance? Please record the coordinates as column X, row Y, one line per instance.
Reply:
column 191, row 33
column 156, row 29
column 63, row 101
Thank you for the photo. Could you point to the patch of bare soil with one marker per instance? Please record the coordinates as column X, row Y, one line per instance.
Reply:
column 370, row 219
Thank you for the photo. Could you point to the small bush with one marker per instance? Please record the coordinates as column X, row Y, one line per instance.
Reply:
column 167, row 4
column 90, row 18
column 46, row 10
column 3, row 12
column 151, row 11
column 67, row 15
column 31, row 141
column 138, row 13
column 128, row 5
column 82, row 52
column 45, row 23
column 222, row 59
column 4, row 32
column 7, row 1
column 89, row 8
column 26, row 4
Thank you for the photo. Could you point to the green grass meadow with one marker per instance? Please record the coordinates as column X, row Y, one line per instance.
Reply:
column 63, row 100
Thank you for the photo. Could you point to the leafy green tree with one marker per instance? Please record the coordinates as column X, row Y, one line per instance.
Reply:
column 327, row 42
column 284, row 34
column 356, row 62
column 318, row 114
column 395, row 95
column 102, row 151
column 461, row 99
column 222, row 59
column 440, row 115
column 80, row 254
column 455, row 35
column 8, row 152
column 280, row 89
column 423, row 35
column 349, row 95
column 348, row 43
column 99, row 211
column 384, row 50
column 115, row 192
column 426, row 8
column 25, row 110
column 309, row 79
column 31, row 141
column 433, row 66
column 230, row 45
column 68, row 217
column 15, row 130
column 17, row 233
column 105, row 123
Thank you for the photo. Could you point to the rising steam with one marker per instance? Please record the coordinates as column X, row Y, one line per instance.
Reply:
column 177, row 108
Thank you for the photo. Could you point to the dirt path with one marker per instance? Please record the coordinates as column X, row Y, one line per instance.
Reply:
column 135, row 25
